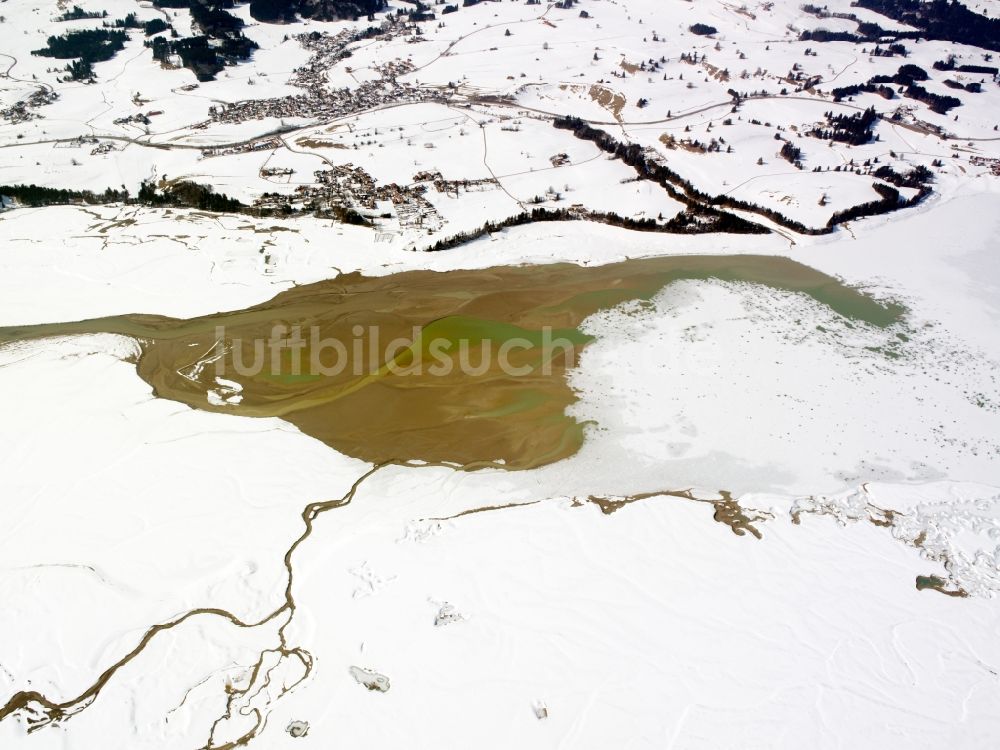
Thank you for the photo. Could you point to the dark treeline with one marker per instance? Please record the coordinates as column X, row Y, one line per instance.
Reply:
column 703, row 29
column 185, row 194
column 319, row 10
column 890, row 51
column 280, row 11
column 419, row 14
column 696, row 200
column 867, row 32
column 906, row 77
column 792, row 154
column 76, row 13
column 198, row 54
column 131, row 21
column 682, row 224
column 181, row 194
column 855, row 129
column 80, row 70
column 536, row 214
column 35, row 196
column 947, row 20
column 155, row 26
column 220, row 43
column 986, row 70
column 90, row 45
column 698, row 203
column 823, row 35
column 844, row 92
column 918, row 177
column 939, row 103
column 889, row 202
column 950, row 64
column 973, row 87
column 213, row 20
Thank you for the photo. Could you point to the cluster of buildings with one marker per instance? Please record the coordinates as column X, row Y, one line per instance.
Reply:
column 102, row 148
column 21, row 111
column 355, row 187
column 261, row 144
column 453, row 187
column 982, row 161
column 349, row 188
column 319, row 101
column 139, row 118
column 323, row 104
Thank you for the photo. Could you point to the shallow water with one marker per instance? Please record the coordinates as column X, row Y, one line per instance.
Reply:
column 443, row 393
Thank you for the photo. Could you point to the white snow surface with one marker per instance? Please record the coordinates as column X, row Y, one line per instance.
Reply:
column 652, row 627
column 650, row 624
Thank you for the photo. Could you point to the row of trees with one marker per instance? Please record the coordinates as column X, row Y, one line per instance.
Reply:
column 845, row 92
column 918, row 177
column 186, row 194
column 183, row 194
column 682, row 224
column 939, row 103
column 890, row 201
column 283, row 11
column 947, row 20
column 35, row 196
column 907, row 77
column 697, row 201
column 76, row 13
column 700, row 202
column 951, row 64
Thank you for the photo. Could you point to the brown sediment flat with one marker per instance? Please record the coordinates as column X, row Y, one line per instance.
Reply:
column 492, row 418
column 935, row 583
column 612, row 101
column 728, row 511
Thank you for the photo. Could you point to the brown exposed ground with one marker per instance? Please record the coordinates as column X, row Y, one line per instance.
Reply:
column 440, row 395
column 610, row 100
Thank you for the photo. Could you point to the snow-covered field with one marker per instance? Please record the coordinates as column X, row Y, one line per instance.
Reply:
column 745, row 551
